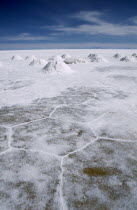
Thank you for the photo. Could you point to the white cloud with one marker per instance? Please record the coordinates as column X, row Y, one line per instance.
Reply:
column 107, row 29
column 93, row 16
column 26, row 37
column 133, row 19
column 51, row 26
column 95, row 24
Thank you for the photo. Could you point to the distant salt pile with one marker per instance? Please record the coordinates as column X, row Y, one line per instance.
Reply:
column 66, row 56
column 17, row 58
column 134, row 55
column 32, row 57
column 128, row 59
column 54, row 57
column 118, row 56
column 125, row 59
column 56, row 65
column 42, row 61
column 38, row 62
column 75, row 60
column 27, row 57
column 96, row 58
column 34, row 62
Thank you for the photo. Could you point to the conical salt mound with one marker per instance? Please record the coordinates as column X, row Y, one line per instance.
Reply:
column 34, row 62
column 75, row 60
column 42, row 61
column 134, row 54
column 32, row 57
column 118, row 56
column 56, row 65
column 17, row 58
column 65, row 56
column 38, row 62
column 27, row 57
column 127, row 59
column 54, row 57
column 97, row 58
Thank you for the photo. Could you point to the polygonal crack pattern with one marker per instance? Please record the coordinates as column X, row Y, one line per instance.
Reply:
column 120, row 125
column 53, row 136
column 3, row 139
column 50, row 158
column 16, row 115
column 75, row 113
column 29, row 181
column 104, row 176
column 87, row 104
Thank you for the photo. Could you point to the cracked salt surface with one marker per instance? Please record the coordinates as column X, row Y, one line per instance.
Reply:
column 118, row 125
column 51, row 135
column 74, row 149
column 3, row 139
column 29, row 180
column 102, row 176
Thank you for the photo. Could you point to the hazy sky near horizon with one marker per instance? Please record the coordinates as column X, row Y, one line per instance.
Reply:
column 39, row 24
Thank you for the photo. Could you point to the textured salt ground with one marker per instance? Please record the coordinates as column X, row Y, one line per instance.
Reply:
column 90, row 172
column 52, row 136
column 88, row 104
column 102, row 176
column 75, row 105
column 29, row 180
column 9, row 85
column 3, row 139
column 40, row 108
column 17, row 115
column 118, row 125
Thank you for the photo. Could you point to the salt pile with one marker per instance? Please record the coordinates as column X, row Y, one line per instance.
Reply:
column 32, row 57
column 17, row 58
column 38, row 62
column 118, row 56
column 96, row 58
column 74, row 61
column 65, row 56
column 54, row 57
column 27, row 57
column 42, row 61
column 134, row 55
column 34, row 62
column 127, row 59
column 56, row 65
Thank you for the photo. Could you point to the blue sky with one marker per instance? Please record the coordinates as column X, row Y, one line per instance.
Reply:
column 42, row 24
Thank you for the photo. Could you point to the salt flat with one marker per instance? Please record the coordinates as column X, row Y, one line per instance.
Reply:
column 68, row 140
